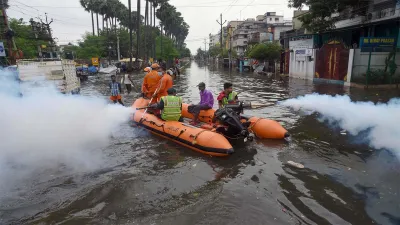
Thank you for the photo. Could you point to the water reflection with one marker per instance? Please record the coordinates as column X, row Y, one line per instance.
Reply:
column 153, row 181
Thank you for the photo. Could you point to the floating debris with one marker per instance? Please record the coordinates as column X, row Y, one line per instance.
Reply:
column 343, row 132
column 295, row 164
column 255, row 178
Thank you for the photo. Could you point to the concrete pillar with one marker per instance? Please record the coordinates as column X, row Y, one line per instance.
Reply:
column 349, row 67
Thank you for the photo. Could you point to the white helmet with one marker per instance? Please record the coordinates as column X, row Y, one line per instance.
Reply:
column 170, row 72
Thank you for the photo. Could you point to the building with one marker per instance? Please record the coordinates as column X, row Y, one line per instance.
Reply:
column 365, row 39
column 271, row 17
column 214, row 39
column 232, row 26
column 245, row 31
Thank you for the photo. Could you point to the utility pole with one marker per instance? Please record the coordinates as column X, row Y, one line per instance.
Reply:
column 118, row 51
column 220, row 23
column 130, row 33
column 51, row 36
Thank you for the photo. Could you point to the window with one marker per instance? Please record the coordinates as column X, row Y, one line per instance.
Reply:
column 270, row 19
column 245, row 36
column 276, row 19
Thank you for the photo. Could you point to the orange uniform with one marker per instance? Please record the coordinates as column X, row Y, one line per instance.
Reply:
column 165, row 83
column 150, row 83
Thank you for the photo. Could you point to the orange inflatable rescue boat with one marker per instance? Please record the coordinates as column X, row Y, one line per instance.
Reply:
column 212, row 135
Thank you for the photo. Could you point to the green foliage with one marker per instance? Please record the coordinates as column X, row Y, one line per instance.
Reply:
column 169, row 52
column 184, row 52
column 267, row 51
column 200, row 54
column 214, row 51
column 319, row 17
column 24, row 38
column 225, row 53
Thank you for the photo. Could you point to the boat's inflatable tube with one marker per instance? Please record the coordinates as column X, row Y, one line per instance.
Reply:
column 198, row 139
column 262, row 128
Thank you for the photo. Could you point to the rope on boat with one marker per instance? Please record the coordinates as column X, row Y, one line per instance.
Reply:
column 252, row 125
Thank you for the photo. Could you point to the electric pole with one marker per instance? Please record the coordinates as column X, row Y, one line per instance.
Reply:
column 118, row 52
column 220, row 23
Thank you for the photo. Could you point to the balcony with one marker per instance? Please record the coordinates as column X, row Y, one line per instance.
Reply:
column 384, row 14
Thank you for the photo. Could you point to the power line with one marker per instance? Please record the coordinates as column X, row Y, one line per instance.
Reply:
column 60, row 21
column 178, row 6
column 36, row 10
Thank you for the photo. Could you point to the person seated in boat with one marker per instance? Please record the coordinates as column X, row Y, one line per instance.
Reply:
column 170, row 107
column 227, row 96
column 206, row 102
column 116, row 90
column 165, row 84
column 150, row 82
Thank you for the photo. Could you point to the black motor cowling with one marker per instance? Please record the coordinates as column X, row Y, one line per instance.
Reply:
column 231, row 120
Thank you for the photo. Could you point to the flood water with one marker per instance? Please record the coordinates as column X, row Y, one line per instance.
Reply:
column 149, row 180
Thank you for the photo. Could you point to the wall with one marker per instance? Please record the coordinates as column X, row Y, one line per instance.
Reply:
column 278, row 30
column 360, row 62
column 301, row 67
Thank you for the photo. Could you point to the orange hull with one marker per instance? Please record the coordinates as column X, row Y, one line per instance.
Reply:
column 260, row 127
column 197, row 139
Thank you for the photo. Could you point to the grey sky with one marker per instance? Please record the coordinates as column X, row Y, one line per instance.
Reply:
column 71, row 21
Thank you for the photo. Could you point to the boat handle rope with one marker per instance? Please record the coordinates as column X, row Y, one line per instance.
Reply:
column 194, row 142
column 162, row 125
column 252, row 125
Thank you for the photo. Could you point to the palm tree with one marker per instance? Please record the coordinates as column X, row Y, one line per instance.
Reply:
column 138, row 30
column 88, row 6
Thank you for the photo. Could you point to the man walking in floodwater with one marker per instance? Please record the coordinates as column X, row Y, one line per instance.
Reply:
column 206, row 102
column 116, row 90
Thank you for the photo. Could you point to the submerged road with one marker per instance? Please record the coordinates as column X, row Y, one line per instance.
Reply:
column 149, row 180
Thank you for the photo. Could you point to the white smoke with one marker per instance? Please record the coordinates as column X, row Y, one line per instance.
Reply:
column 380, row 120
column 45, row 129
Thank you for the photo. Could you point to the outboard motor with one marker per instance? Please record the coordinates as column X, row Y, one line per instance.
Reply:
column 238, row 107
column 233, row 127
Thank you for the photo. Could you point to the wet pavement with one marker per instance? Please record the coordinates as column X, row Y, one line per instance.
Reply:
column 149, row 180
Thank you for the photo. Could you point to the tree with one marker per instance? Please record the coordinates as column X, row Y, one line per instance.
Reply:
column 25, row 39
column 184, row 52
column 169, row 51
column 266, row 52
column 214, row 51
column 319, row 18
column 200, row 54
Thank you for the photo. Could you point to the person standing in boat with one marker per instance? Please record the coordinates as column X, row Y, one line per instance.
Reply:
column 150, row 82
column 170, row 106
column 206, row 102
column 128, row 80
column 227, row 96
column 116, row 90
column 166, row 83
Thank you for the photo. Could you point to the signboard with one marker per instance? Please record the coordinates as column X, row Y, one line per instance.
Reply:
column 2, row 50
column 304, row 52
column 95, row 61
column 377, row 44
column 301, row 43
